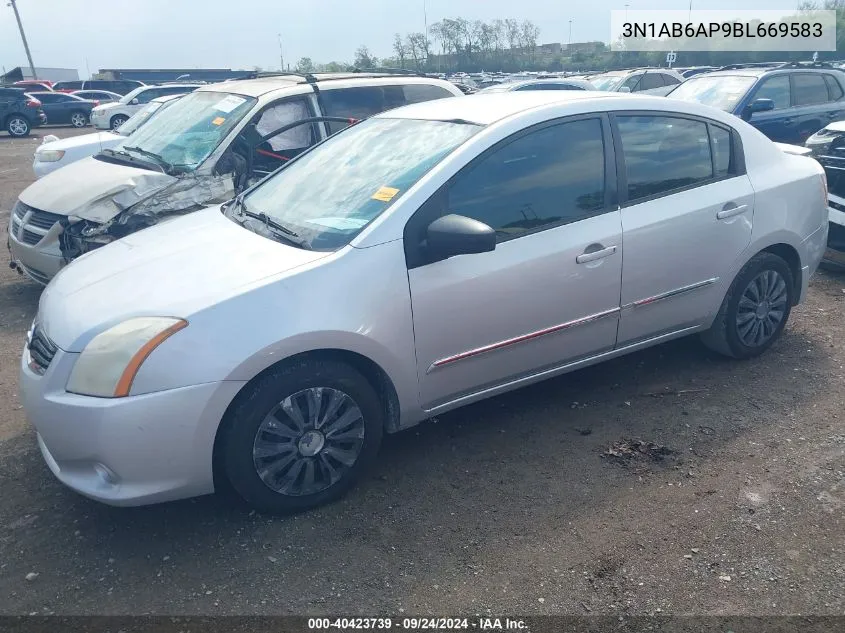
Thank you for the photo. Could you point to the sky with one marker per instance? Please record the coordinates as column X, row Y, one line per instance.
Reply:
column 243, row 34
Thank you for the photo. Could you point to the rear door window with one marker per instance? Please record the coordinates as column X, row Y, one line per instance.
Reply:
column 650, row 80
column 415, row 93
column 670, row 80
column 808, row 89
column 834, row 88
column 663, row 154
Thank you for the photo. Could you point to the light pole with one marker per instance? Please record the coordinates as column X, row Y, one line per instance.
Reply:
column 23, row 37
column 569, row 45
column 281, row 55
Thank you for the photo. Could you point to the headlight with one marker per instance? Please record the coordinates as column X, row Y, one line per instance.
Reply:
column 49, row 155
column 108, row 364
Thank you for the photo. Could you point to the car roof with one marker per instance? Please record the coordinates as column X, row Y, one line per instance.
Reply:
column 166, row 98
column 758, row 71
column 513, row 85
column 485, row 109
column 262, row 85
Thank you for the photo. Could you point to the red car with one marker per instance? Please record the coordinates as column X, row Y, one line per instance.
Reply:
column 37, row 84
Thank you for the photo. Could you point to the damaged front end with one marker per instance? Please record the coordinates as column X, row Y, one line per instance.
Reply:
column 828, row 147
column 138, row 206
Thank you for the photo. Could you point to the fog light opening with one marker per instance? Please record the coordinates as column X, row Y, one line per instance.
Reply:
column 106, row 474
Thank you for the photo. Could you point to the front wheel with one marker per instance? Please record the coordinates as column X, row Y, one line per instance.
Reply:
column 78, row 119
column 301, row 436
column 117, row 121
column 17, row 126
column 755, row 310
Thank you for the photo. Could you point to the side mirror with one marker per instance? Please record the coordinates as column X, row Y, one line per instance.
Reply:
column 458, row 235
column 758, row 105
column 625, row 89
column 135, row 101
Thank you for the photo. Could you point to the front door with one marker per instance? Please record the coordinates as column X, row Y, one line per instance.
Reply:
column 782, row 123
column 686, row 219
column 549, row 293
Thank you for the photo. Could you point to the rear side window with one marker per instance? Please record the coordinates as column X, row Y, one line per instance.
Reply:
column 632, row 83
column 415, row 93
column 360, row 103
column 809, row 89
column 670, row 80
column 663, row 154
column 545, row 178
column 777, row 89
column 720, row 139
column 67, row 85
column 834, row 88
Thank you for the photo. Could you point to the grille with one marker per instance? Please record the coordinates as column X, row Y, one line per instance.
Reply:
column 43, row 219
column 19, row 210
column 28, row 237
column 41, row 350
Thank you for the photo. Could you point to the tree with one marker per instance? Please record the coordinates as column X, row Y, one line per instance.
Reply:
column 418, row 46
column 364, row 59
column 305, row 65
column 400, row 49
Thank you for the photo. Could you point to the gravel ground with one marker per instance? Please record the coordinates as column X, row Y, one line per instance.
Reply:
column 507, row 506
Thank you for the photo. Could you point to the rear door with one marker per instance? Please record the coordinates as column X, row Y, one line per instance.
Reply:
column 687, row 208
column 650, row 81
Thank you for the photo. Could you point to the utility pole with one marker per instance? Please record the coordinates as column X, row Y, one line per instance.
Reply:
column 23, row 37
column 569, row 45
column 281, row 55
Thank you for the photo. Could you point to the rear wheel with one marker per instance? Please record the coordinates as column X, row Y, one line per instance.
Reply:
column 301, row 436
column 17, row 126
column 78, row 119
column 117, row 121
column 755, row 310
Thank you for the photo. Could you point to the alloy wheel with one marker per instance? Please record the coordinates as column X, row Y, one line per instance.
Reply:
column 78, row 120
column 308, row 442
column 762, row 307
column 18, row 126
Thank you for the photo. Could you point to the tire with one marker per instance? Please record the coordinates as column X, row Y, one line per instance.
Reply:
column 117, row 120
column 734, row 332
column 78, row 119
column 18, row 126
column 266, row 458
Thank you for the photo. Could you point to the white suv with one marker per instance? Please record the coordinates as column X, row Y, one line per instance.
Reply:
column 110, row 116
column 202, row 150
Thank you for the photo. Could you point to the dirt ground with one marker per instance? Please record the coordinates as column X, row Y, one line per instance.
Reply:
column 507, row 506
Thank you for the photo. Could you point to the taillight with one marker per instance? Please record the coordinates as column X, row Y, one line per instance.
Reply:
column 96, row 103
column 33, row 103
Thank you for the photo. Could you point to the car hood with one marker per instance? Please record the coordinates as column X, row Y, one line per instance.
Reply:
column 93, row 189
column 176, row 268
column 836, row 126
column 103, row 139
column 105, row 107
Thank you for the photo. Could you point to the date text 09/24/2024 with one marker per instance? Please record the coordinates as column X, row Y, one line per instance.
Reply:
column 417, row 624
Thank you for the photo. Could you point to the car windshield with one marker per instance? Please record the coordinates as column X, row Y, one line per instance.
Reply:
column 722, row 92
column 140, row 117
column 605, row 82
column 328, row 195
column 187, row 132
column 127, row 98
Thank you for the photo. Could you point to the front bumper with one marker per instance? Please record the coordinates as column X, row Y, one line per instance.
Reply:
column 836, row 215
column 125, row 451
column 41, row 168
column 41, row 119
column 100, row 120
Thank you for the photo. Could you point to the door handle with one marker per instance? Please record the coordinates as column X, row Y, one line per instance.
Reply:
column 592, row 256
column 787, row 120
column 731, row 211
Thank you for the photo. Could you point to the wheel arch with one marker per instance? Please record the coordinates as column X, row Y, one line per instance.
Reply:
column 790, row 255
column 372, row 371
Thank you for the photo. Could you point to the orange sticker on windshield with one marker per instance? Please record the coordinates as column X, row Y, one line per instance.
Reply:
column 218, row 121
column 385, row 194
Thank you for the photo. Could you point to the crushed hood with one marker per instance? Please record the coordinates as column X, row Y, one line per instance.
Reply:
column 93, row 190
column 176, row 268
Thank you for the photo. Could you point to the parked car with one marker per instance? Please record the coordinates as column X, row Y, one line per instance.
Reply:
column 541, row 84
column 686, row 73
column 828, row 147
column 100, row 96
column 203, row 149
column 111, row 116
column 63, row 108
column 34, row 84
column 211, row 351
column 54, row 153
column 787, row 102
column 635, row 80
column 120, row 86
column 19, row 112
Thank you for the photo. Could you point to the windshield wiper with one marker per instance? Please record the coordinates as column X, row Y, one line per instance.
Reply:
column 158, row 160
column 240, row 211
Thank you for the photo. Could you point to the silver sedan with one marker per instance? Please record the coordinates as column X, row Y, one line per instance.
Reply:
column 421, row 260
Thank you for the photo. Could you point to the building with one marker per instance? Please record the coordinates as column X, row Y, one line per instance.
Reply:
column 21, row 73
column 158, row 75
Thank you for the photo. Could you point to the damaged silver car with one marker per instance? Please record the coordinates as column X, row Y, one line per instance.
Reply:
column 204, row 149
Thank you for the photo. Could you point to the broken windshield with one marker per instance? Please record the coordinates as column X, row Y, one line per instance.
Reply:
column 187, row 132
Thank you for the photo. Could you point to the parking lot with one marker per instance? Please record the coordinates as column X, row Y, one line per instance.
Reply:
column 543, row 501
